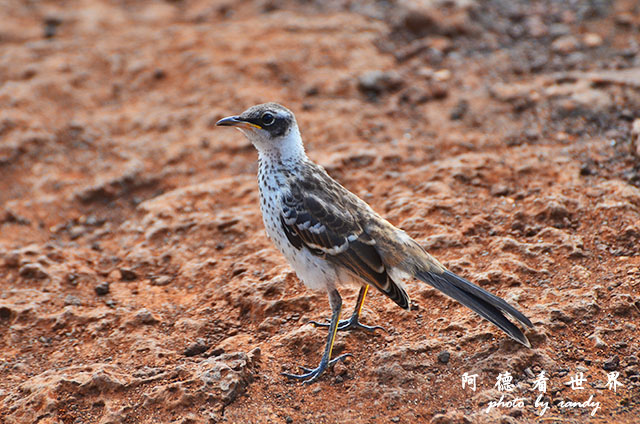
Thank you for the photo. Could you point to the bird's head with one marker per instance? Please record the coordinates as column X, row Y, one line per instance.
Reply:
column 271, row 128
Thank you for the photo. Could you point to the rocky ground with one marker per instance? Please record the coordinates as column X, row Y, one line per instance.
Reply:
column 137, row 284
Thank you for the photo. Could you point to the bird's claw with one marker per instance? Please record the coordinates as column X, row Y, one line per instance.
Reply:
column 350, row 324
column 312, row 374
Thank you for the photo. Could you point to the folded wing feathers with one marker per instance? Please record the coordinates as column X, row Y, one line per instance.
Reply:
column 335, row 235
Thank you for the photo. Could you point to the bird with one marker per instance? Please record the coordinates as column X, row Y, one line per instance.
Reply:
column 331, row 237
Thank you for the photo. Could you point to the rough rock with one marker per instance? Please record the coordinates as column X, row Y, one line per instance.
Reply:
column 498, row 135
column 374, row 83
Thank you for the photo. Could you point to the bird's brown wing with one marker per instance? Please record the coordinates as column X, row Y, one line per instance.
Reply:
column 317, row 220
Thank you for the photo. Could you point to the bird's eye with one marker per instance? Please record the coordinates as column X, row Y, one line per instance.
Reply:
column 268, row 119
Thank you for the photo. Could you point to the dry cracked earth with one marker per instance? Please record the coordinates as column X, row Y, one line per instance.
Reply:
column 137, row 284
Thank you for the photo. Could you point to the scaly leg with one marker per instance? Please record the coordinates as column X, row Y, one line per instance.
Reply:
column 353, row 323
column 312, row 374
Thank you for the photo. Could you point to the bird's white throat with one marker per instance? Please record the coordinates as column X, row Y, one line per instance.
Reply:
column 285, row 149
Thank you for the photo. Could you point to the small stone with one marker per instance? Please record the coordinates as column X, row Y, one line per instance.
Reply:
column 442, row 75
column 631, row 370
column 459, row 110
column 559, row 30
column 162, row 280
column 12, row 259
column 592, row 40
column 77, row 231
column 340, row 369
column 196, row 348
column 444, row 356
column 418, row 20
column 159, row 74
column 575, row 59
column 536, row 26
column 374, row 83
column 439, row 419
column 598, row 342
column 72, row 300
column 586, row 170
column 145, row 317
column 216, row 352
column 102, row 288
column 635, row 138
column 34, row 271
column 72, row 279
column 622, row 304
column 452, row 417
column 565, row 44
column 128, row 274
column 611, row 364
column 51, row 25
column 498, row 190
column 624, row 19
column 255, row 355
column 5, row 313
column 115, row 275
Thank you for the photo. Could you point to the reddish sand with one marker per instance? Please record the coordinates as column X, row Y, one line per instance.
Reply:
column 137, row 284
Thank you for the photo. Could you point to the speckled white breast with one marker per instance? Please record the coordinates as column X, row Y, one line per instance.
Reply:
column 315, row 272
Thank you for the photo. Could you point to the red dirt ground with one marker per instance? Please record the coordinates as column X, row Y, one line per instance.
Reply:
column 137, row 284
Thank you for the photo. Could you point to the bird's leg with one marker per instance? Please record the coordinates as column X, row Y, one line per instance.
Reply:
column 353, row 323
column 312, row 374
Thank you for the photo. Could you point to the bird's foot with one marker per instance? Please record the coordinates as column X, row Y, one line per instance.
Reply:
column 312, row 374
column 350, row 324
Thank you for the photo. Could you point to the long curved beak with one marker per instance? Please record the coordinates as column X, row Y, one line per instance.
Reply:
column 235, row 121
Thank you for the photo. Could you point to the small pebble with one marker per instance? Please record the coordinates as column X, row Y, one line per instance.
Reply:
column 460, row 110
column 592, row 40
column 565, row 45
column 444, row 356
column 196, row 348
column 51, row 25
column 72, row 300
column 102, row 288
column 162, row 280
column 128, row 274
column 611, row 364
column 374, row 83
column 145, row 317
column 442, row 75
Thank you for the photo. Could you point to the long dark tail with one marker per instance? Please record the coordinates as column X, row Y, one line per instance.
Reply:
column 479, row 300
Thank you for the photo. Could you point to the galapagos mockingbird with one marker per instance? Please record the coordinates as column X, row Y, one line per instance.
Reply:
column 331, row 237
